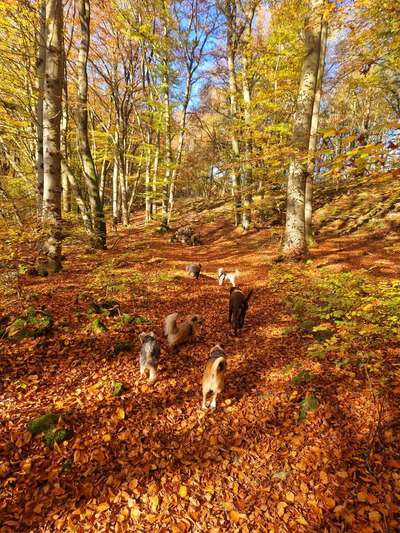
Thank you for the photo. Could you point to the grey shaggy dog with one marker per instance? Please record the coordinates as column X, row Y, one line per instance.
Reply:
column 149, row 355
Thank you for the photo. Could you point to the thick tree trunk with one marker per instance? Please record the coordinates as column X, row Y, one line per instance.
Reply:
column 313, row 136
column 91, row 178
column 41, row 65
column 52, row 111
column 294, row 244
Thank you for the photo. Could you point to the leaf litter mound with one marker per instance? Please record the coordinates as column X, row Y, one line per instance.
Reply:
column 294, row 445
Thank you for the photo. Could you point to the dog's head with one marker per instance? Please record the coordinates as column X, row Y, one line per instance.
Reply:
column 146, row 336
column 216, row 351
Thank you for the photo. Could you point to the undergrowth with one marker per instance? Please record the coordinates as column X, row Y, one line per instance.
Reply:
column 349, row 317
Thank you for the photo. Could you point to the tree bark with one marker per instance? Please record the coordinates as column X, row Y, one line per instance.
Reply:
column 314, row 135
column 90, row 173
column 52, row 111
column 182, row 131
column 294, row 244
column 168, row 151
column 115, row 203
column 233, row 93
column 41, row 65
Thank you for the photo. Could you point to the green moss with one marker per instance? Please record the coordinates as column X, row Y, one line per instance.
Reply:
column 42, row 423
column 52, row 436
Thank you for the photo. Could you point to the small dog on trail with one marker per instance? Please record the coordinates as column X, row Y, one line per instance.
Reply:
column 194, row 270
column 238, row 305
column 214, row 375
column 178, row 334
column 230, row 276
column 149, row 355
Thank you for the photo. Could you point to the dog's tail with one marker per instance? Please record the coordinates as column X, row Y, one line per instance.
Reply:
column 170, row 324
column 218, row 366
column 249, row 295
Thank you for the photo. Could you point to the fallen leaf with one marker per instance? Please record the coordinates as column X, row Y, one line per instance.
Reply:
column 183, row 491
column 290, row 497
column 281, row 508
column 120, row 413
column 374, row 516
column 102, row 507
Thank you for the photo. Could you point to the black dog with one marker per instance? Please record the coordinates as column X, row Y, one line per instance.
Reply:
column 194, row 270
column 238, row 305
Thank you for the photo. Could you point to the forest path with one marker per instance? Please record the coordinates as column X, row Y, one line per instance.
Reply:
column 152, row 460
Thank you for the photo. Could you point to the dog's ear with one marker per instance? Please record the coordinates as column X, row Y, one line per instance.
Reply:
column 249, row 294
column 142, row 336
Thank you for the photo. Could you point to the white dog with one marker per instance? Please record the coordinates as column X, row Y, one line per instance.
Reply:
column 230, row 276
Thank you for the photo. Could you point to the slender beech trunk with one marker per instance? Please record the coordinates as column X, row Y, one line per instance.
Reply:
column 314, row 136
column 66, row 188
column 83, row 210
column 122, row 186
column 134, row 188
column 294, row 244
column 52, row 111
column 147, row 184
column 91, row 178
column 168, row 151
column 115, row 200
column 247, row 169
column 181, row 139
column 155, row 176
column 41, row 65
column 233, row 93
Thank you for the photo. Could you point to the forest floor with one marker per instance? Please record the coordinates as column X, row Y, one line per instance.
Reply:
column 152, row 459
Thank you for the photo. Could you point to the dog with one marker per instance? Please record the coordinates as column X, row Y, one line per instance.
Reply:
column 238, row 305
column 214, row 376
column 178, row 334
column 149, row 355
column 230, row 276
column 194, row 270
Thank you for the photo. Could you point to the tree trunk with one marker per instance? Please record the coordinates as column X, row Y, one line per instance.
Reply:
column 233, row 92
column 41, row 65
column 83, row 210
column 182, row 131
column 52, row 111
column 115, row 203
column 91, row 178
column 168, row 152
column 147, row 186
column 155, row 176
column 66, row 189
column 124, row 195
column 294, row 244
column 313, row 136
column 247, row 169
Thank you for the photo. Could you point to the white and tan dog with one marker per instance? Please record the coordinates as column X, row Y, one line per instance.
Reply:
column 214, row 376
column 230, row 276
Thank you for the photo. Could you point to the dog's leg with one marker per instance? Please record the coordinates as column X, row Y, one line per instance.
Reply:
column 213, row 403
column 152, row 374
column 142, row 368
column 204, row 404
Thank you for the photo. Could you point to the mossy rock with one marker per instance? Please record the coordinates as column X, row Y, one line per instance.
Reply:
column 127, row 319
column 31, row 324
column 52, row 436
column 97, row 326
column 118, row 388
column 42, row 423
